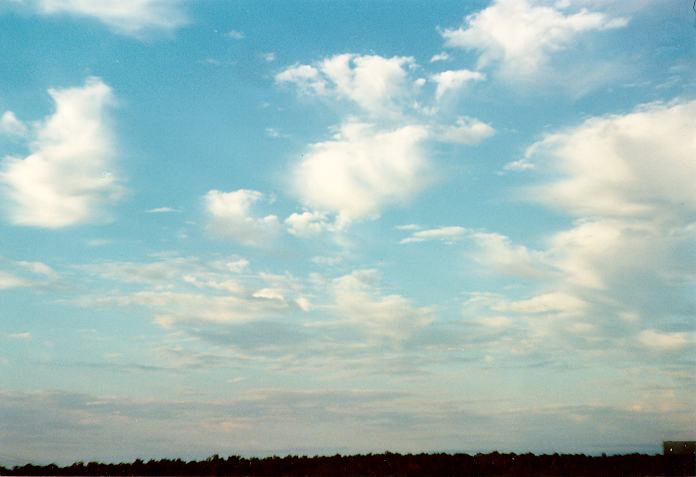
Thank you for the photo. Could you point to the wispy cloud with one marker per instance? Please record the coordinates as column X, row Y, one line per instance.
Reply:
column 446, row 234
column 162, row 210
column 133, row 18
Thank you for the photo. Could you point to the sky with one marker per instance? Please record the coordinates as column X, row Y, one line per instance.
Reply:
column 303, row 227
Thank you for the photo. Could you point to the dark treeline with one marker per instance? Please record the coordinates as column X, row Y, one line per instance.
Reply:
column 387, row 464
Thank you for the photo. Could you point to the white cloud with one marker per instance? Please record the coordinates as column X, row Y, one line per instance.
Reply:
column 11, row 126
column 379, row 316
column 663, row 341
column 275, row 133
column 20, row 274
column 37, row 268
column 408, row 227
column 453, row 80
column 626, row 260
column 497, row 252
column 521, row 35
column 67, row 178
column 519, row 165
column 465, row 131
column 373, row 82
column 161, row 210
column 231, row 217
column 182, row 290
column 553, row 302
column 132, row 17
column 446, row 234
column 591, row 253
column 638, row 164
column 23, row 336
column 308, row 223
column 306, row 78
column 362, row 170
column 377, row 84
column 235, row 34
column 8, row 281
column 443, row 56
column 327, row 261
column 235, row 266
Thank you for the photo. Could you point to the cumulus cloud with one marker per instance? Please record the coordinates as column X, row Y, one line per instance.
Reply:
column 67, row 178
column 638, row 164
column 307, row 79
column 11, row 126
column 362, row 170
column 378, row 85
column 451, row 81
column 133, row 18
column 624, row 267
column 626, row 179
column 308, row 223
column 230, row 216
column 520, row 35
column 465, row 130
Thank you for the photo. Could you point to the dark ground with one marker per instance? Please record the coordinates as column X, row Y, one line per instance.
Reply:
column 387, row 464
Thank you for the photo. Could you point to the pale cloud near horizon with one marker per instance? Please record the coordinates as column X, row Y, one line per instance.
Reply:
column 68, row 177
column 379, row 317
column 252, row 422
column 186, row 291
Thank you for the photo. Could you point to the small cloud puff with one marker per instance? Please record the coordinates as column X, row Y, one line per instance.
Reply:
column 230, row 216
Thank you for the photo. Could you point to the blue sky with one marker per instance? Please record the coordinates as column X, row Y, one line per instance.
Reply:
column 316, row 227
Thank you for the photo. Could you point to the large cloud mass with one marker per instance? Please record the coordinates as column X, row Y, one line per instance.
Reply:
column 67, row 178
